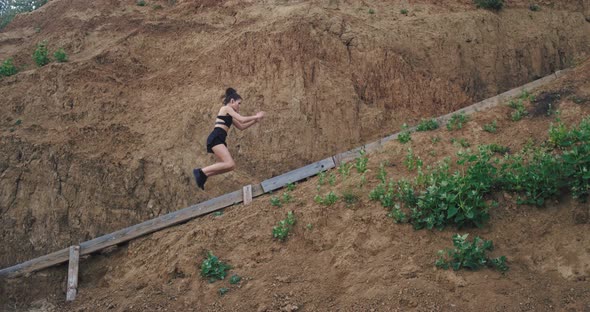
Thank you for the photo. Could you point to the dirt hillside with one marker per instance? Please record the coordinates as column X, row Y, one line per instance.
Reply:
column 109, row 138
column 351, row 257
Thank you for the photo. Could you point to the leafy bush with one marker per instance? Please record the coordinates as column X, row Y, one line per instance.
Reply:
column 412, row 162
column 427, row 125
column 213, row 268
column 405, row 136
column 281, row 231
column 498, row 149
column 60, row 55
column 234, row 279
column 382, row 173
column 141, row 2
column 490, row 4
column 275, row 201
column 291, row 186
column 328, row 200
column 457, row 121
column 519, row 110
column 344, row 169
column 397, row 215
column 40, row 55
column 404, row 11
column 469, row 255
column 361, row 162
column 491, row 127
column 8, row 68
column 534, row 175
column 534, row 7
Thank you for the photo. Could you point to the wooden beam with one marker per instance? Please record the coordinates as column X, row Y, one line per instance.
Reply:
column 126, row 234
column 297, row 174
column 247, row 194
column 73, row 273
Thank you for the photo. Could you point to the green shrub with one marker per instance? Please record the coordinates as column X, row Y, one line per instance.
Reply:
column 534, row 7
column 141, row 3
column 397, row 215
column 328, row 200
column 60, row 55
column 469, row 255
column 361, row 162
column 427, row 125
column 412, row 162
column 404, row 11
column 490, row 4
column 275, row 201
column 213, row 268
column 405, row 136
column 534, row 175
column 291, row 186
column 491, row 127
column 40, row 55
column 344, row 168
column 457, row 121
column 519, row 110
column 281, row 231
column 371, row 11
column 8, row 68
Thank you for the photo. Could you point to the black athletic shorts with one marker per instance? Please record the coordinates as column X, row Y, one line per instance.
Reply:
column 216, row 137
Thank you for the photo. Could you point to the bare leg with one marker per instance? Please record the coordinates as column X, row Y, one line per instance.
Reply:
column 224, row 164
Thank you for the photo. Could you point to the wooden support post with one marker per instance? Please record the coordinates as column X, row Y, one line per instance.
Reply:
column 73, row 273
column 247, row 194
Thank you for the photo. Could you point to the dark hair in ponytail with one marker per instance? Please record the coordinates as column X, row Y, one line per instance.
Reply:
column 230, row 94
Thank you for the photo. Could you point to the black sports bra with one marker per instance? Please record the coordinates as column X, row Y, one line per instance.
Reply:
column 227, row 120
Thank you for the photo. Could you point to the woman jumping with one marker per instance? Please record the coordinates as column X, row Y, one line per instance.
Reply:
column 228, row 114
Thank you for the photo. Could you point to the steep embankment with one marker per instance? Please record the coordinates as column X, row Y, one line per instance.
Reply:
column 109, row 139
column 351, row 257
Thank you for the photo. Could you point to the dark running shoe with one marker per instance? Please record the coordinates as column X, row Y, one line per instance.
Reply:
column 200, row 178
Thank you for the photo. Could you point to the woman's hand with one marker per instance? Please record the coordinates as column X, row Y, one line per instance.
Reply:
column 260, row 115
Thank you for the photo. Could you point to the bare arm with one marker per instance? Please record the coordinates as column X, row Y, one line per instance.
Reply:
column 239, row 118
column 245, row 125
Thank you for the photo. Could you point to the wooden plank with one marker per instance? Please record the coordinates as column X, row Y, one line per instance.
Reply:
column 126, row 234
column 297, row 174
column 247, row 195
column 73, row 273
column 373, row 146
column 257, row 190
column 347, row 156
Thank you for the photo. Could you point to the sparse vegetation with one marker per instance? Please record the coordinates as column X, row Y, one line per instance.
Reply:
column 213, row 268
column 275, row 201
column 457, row 121
column 344, row 168
column 491, row 127
column 411, row 161
column 328, row 200
column 281, row 231
column 519, row 110
column 60, row 55
column 10, row 9
column 141, row 3
column 371, row 11
column 427, row 125
column 470, row 255
column 405, row 136
column 490, row 4
column 361, row 162
column 40, row 56
column 534, row 7
column 291, row 186
column 8, row 68
column 404, row 11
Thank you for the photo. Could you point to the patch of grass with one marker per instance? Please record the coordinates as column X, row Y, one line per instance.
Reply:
column 332, row 179
column 281, row 231
column 435, row 139
column 218, row 213
column 382, row 173
column 157, row 7
column 519, row 109
column 491, row 127
column 40, row 56
column 534, row 7
column 60, row 55
column 498, row 149
column 141, row 3
column 223, row 291
column 404, row 11
column 457, row 121
column 427, row 125
column 490, row 4
column 371, row 11
column 344, row 169
column 470, row 255
column 213, row 268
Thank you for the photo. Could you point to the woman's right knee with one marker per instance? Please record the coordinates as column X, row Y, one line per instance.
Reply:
column 230, row 165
